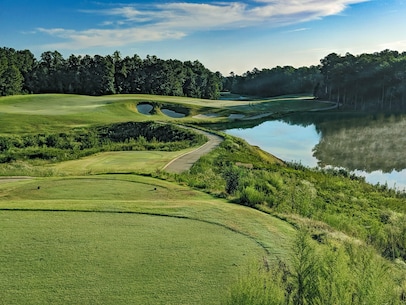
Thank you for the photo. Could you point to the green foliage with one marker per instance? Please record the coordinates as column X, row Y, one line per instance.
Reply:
column 259, row 286
column 275, row 81
column 345, row 274
column 250, row 196
column 13, row 66
column 367, row 81
column 102, row 75
column 232, row 176
column 83, row 142
column 304, row 277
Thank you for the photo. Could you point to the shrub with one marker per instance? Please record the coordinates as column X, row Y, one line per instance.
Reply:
column 232, row 177
column 250, row 196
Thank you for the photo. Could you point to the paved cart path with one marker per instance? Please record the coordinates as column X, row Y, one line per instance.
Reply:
column 186, row 161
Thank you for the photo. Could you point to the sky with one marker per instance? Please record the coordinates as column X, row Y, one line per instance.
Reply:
column 226, row 36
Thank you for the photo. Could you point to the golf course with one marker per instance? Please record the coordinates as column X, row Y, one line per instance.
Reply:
column 102, row 230
column 135, row 199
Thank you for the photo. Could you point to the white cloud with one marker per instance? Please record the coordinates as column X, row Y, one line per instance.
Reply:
column 395, row 45
column 108, row 38
column 298, row 30
column 175, row 20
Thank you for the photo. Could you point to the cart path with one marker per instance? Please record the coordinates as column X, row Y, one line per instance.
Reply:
column 186, row 161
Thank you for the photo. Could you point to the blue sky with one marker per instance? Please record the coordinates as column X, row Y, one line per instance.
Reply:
column 224, row 35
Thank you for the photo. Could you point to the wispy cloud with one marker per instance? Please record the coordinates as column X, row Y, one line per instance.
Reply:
column 394, row 45
column 128, row 24
column 108, row 38
column 298, row 30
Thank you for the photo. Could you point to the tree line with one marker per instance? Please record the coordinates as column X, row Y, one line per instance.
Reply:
column 274, row 82
column 21, row 72
column 363, row 82
column 374, row 81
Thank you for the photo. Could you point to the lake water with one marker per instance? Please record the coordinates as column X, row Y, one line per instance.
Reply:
column 172, row 113
column 372, row 146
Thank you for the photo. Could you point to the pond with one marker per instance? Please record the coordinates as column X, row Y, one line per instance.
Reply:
column 372, row 146
column 145, row 108
column 172, row 113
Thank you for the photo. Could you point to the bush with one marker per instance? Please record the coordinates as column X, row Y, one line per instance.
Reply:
column 250, row 196
column 82, row 142
column 232, row 177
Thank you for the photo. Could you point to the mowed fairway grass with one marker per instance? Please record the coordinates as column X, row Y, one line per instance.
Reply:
column 59, row 112
column 142, row 162
column 126, row 239
column 99, row 258
column 95, row 233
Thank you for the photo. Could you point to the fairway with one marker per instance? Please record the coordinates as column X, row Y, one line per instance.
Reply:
column 137, row 194
column 50, row 112
column 145, row 162
column 125, row 239
column 93, row 258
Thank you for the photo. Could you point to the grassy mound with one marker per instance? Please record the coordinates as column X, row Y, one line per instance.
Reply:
column 119, row 239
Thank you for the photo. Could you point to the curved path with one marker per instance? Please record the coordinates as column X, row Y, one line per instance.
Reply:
column 185, row 161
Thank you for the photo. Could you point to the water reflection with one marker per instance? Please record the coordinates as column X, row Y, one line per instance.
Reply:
column 372, row 146
column 368, row 144
column 291, row 143
column 172, row 113
column 145, row 108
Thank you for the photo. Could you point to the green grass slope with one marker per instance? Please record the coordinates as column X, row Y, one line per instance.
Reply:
column 145, row 162
column 120, row 239
column 50, row 112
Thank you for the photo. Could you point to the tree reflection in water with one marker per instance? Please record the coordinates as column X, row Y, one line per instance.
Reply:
column 370, row 145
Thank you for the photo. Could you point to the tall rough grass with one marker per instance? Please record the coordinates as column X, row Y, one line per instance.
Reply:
column 338, row 275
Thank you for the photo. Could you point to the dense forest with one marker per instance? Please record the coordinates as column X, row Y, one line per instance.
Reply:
column 21, row 72
column 364, row 82
column 274, row 82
